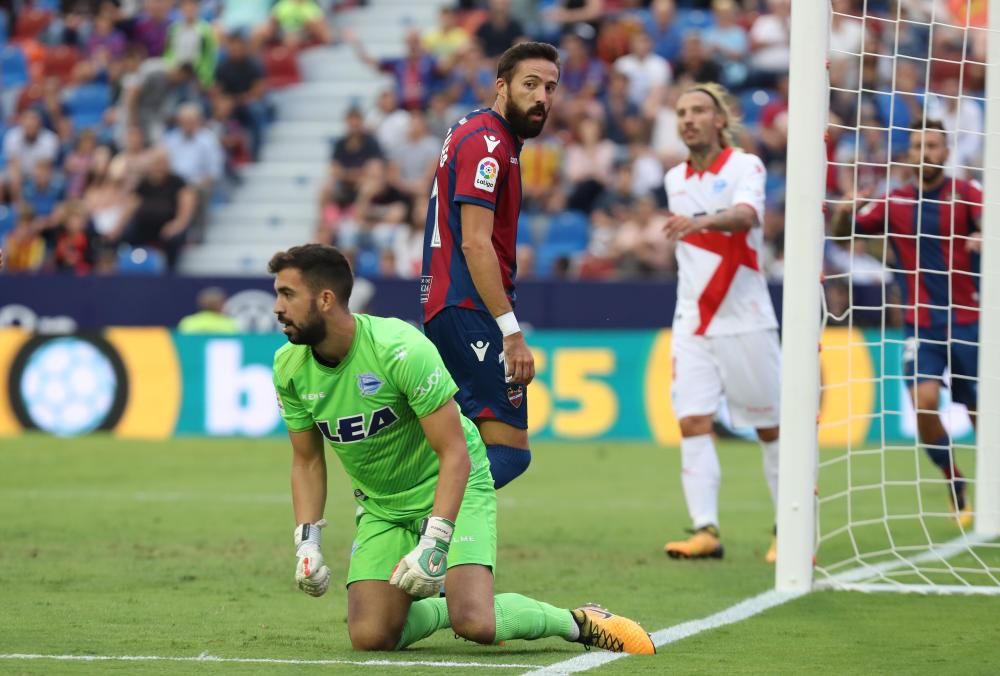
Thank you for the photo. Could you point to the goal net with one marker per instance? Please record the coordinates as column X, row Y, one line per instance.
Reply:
column 904, row 486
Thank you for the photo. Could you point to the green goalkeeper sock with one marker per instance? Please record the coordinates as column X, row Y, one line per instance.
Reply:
column 425, row 617
column 522, row 617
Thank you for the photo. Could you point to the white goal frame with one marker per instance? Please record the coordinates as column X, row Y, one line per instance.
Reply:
column 802, row 308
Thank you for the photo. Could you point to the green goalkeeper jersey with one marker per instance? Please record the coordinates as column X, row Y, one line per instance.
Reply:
column 369, row 408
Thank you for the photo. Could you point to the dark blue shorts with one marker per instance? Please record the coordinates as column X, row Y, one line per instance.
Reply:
column 928, row 353
column 471, row 346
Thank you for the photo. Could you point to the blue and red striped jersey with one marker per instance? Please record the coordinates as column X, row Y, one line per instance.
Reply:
column 928, row 232
column 478, row 165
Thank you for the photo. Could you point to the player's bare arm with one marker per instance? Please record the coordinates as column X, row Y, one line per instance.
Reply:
column 308, row 500
column 734, row 219
column 308, row 475
column 444, row 433
column 484, row 268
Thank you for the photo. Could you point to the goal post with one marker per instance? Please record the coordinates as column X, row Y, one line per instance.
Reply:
column 987, row 499
column 861, row 506
column 804, row 229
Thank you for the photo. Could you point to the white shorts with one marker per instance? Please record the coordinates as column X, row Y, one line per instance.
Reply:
column 745, row 368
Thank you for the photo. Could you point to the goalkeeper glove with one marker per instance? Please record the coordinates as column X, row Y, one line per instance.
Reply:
column 421, row 572
column 311, row 574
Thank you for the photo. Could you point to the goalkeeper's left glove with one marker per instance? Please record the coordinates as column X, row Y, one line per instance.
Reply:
column 421, row 572
column 311, row 573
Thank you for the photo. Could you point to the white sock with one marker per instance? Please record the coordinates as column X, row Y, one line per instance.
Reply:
column 770, row 449
column 700, row 474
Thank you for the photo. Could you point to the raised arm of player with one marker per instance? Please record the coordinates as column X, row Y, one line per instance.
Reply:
column 484, row 268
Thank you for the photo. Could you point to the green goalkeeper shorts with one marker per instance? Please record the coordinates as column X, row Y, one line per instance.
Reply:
column 380, row 544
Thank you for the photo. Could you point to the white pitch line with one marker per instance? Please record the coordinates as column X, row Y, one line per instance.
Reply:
column 263, row 660
column 753, row 606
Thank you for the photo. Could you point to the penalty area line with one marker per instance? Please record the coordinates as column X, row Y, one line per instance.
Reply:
column 204, row 657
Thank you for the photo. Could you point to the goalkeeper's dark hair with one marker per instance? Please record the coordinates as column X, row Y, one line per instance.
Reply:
column 322, row 267
column 523, row 51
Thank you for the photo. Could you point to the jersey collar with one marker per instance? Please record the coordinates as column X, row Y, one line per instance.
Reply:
column 714, row 168
column 506, row 125
column 325, row 366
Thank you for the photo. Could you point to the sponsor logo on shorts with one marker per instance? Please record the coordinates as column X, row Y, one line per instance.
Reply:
column 480, row 347
column 515, row 395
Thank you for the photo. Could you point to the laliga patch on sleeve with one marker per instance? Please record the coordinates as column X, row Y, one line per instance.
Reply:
column 486, row 174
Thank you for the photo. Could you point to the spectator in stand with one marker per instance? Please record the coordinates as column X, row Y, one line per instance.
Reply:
column 666, row 140
column 196, row 156
column 42, row 191
column 647, row 71
column 24, row 248
column 74, row 249
column 25, row 145
column 295, row 23
column 773, row 128
column 152, row 93
column 106, row 194
column 500, row 30
column 352, row 154
column 412, row 162
column 588, row 165
column 387, row 121
column 663, row 29
column 151, row 27
column 472, row 82
column 964, row 123
column 695, row 64
column 566, row 14
column 240, row 79
column 541, row 166
column 621, row 115
column 79, row 162
column 415, row 73
column 580, row 74
column 448, row 38
column 191, row 41
column 106, row 43
column 727, row 43
column 134, row 157
column 769, row 39
column 160, row 211
column 640, row 247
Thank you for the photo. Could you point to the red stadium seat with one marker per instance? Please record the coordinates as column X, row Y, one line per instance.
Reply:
column 30, row 23
column 282, row 67
column 60, row 61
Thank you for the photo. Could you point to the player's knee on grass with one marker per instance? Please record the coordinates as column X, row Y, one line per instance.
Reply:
column 369, row 636
column 473, row 622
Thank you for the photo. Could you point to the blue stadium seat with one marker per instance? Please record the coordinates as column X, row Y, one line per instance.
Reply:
column 525, row 234
column 13, row 67
column 87, row 104
column 4, row 27
column 368, row 264
column 140, row 261
column 569, row 230
column 752, row 102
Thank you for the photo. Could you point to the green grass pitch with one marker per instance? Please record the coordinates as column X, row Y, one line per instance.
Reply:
column 184, row 547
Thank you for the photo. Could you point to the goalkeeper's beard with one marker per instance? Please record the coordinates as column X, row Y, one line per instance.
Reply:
column 312, row 331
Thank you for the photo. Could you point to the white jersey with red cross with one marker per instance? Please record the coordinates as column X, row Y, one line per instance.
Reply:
column 721, row 289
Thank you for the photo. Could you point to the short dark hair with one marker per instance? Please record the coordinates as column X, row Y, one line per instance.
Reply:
column 931, row 124
column 522, row 52
column 322, row 267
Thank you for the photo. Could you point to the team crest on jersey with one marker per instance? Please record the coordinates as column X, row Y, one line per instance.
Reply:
column 515, row 395
column 486, row 174
column 719, row 185
column 369, row 384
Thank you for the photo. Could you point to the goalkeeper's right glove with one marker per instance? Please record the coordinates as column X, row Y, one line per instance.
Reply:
column 311, row 573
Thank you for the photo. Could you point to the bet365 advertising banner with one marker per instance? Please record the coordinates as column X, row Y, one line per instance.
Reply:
column 150, row 383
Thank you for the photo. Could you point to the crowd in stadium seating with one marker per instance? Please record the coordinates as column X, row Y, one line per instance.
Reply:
column 126, row 120
column 123, row 122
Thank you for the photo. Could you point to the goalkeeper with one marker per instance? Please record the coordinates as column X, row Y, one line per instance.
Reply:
column 378, row 392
